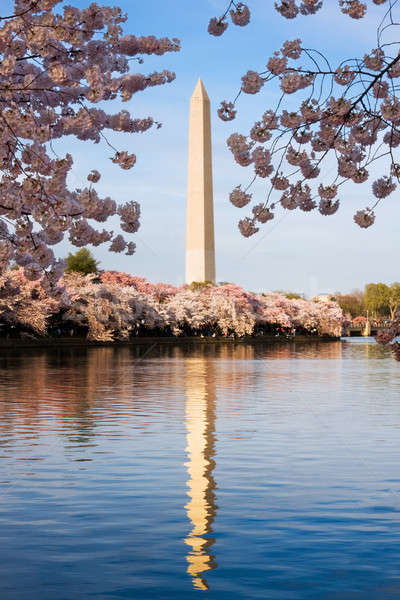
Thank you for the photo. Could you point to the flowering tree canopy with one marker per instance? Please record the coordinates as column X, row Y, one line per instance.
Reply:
column 24, row 303
column 56, row 64
column 121, row 306
column 349, row 112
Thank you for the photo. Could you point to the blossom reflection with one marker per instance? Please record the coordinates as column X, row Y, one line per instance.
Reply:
column 201, row 508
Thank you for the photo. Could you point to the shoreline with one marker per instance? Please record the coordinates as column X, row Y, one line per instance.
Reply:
column 84, row 343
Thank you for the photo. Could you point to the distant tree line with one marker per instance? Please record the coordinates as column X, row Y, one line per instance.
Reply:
column 378, row 300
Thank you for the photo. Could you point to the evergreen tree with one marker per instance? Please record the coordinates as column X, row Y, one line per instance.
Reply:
column 82, row 262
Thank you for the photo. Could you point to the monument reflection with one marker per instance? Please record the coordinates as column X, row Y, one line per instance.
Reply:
column 201, row 508
column 85, row 396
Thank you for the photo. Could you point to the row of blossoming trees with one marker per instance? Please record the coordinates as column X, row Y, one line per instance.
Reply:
column 117, row 306
column 61, row 65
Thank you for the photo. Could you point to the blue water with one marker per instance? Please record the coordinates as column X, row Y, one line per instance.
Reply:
column 181, row 472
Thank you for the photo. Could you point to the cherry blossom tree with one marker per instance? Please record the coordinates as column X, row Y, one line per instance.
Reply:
column 188, row 310
column 229, row 310
column 348, row 113
column 234, row 309
column 24, row 303
column 160, row 291
column 57, row 63
column 109, row 311
column 325, row 318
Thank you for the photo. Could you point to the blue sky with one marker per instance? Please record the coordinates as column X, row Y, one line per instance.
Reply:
column 303, row 252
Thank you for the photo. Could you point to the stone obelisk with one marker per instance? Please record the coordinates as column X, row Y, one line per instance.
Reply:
column 200, row 252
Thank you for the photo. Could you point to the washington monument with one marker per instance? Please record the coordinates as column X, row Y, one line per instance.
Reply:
column 200, row 252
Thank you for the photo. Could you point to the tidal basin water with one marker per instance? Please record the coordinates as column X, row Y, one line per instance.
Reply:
column 219, row 471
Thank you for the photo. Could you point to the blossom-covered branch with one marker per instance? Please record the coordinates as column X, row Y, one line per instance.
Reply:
column 56, row 64
column 239, row 12
column 347, row 115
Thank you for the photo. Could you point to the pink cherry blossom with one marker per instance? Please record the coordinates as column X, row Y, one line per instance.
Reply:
column 227, row 111
column 125, row 160
column 380, row 89
column 360, row 175
column 118, row 244
column 240, row 15
column 383, row 187
column 252, row 82
column 364, row 218
column 270, row 119
column 344, row 75
column 374, row 60
column 129, row 213
column 94, row 176
column 217, row 26
column 291, row 82
column 262, row 213
column 394, row 71
column 327, row 192
column 289, row 200
column 392, row 138
column 353, row 8
column 240, row 149
column 292, row 120
column 239, row 198
column 327, row 207
column 247, row 227
column 309, row 170
column 302, row 136
column 390, row 109
column 310, row 111
column 295, row 157
column 310, row 7
column 287, row 8
column 56, row 66
column 260, row 133
column 280, row 182
column 395, row 170
column 277, row 64
column 292, row 49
